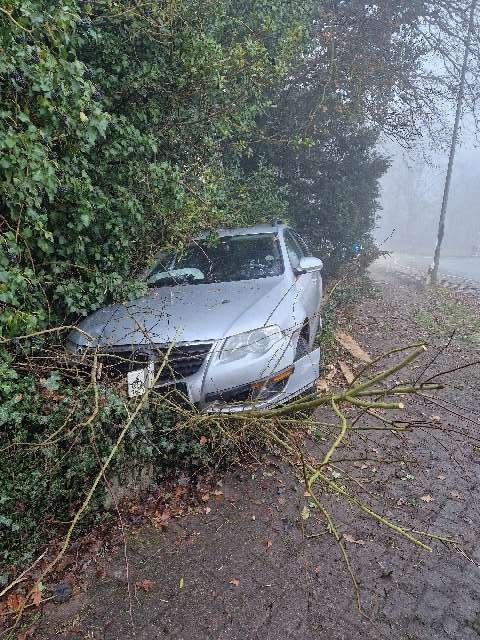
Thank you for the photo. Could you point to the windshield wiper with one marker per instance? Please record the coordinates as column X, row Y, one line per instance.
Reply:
column 172, row 282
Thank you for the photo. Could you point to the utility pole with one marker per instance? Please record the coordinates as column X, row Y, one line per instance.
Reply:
column 453, row 146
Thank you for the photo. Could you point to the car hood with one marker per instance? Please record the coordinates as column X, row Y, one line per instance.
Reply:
column 185, row 313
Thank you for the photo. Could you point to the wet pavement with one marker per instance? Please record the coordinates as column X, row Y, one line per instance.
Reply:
column 454, row 270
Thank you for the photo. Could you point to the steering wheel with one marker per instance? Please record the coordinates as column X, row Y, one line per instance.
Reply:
column 252, row 268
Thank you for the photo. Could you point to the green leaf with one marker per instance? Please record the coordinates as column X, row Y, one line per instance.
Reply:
column 52, row 383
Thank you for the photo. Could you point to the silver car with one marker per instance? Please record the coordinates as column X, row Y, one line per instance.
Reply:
column 239, row 311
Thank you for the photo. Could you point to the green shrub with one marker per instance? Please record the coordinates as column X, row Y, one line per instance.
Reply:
column 121, row 132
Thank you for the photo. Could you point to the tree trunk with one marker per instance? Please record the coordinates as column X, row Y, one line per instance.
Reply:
column 453, row 146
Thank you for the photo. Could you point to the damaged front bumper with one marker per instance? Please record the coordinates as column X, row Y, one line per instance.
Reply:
column 249, row 384
column 273, row 391
column 206, row 381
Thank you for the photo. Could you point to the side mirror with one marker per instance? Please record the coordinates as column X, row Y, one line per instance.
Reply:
column 309, row 264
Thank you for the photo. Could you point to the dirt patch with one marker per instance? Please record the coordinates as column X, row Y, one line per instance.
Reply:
column 248, row 566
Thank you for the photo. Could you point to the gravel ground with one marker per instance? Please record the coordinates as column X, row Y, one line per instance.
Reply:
column 248, row 567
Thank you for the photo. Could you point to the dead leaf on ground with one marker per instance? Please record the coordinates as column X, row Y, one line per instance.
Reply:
column 305, row 513
column 145, row 585
column 269, row 544
column 160, row 519
column 348, row 538
column 180, row 492
column 360, row 465
column 332, row 373
column 427, row 498
column 37, row 594
column 347, row 372
column 352, row 346
column 323, row 384
column 15, row 602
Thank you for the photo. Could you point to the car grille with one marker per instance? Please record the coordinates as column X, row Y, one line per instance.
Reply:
column 183, row 361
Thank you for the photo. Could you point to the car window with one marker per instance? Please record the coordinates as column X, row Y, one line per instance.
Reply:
column 302, row 243
column 224, row 259
column 294, row 249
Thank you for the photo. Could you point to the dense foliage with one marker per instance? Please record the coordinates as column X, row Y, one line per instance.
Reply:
column 121, row 130
column 59, row 450
column 127, row 126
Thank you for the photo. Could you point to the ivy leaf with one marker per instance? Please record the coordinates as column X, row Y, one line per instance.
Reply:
column 52, row 383
column 85, row 219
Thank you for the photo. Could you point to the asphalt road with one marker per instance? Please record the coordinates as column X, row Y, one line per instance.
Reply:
column 450, row 266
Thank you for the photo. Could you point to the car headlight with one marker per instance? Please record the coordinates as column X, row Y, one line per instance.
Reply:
column 258, row 342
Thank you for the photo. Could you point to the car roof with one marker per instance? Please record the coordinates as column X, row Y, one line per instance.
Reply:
column 273, row 227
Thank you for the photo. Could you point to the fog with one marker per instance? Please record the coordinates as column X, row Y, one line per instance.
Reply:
column 411, row 197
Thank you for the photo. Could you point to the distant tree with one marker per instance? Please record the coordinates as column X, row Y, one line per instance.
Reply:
column 373, row 69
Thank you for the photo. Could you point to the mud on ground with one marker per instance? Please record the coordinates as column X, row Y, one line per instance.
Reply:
column 248, row 567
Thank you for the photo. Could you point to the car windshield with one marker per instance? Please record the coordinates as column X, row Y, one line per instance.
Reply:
column 226, row 259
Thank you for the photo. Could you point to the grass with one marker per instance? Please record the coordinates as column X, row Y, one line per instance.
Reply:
column 445, row 315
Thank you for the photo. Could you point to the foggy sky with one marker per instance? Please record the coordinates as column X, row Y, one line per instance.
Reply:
column 412, row 195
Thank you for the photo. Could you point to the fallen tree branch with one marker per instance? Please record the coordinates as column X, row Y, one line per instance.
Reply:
column 278, row 427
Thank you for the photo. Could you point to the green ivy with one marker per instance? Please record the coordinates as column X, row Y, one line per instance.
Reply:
column 50, row 456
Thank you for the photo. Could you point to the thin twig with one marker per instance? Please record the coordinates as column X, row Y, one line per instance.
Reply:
column 22, row 576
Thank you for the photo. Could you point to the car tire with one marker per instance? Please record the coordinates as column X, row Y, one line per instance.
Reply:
column 302, row 347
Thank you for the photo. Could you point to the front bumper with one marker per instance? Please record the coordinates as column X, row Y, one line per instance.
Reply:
column 305, row 372
column 250, row 383
column 218, row 387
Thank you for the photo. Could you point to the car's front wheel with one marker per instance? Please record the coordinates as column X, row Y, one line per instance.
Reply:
column 302, row 347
